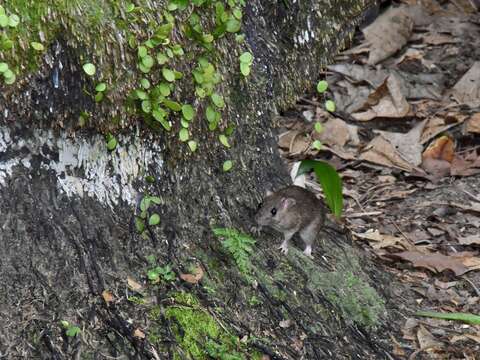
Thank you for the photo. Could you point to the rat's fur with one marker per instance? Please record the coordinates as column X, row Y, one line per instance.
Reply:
column 297, row 210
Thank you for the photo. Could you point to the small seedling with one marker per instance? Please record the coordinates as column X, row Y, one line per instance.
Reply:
column 70, row 329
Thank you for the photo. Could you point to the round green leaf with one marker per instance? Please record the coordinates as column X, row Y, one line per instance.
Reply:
column 89, row 69
column 72, row 331
column 147, row 61
column 317, row 144
column 211, row 114
column 162, row 58
column 240, row 38
column 184, row 123
column 224, row 140
column 10, row 80
column 192, row 145
column 3, row 67
column 227, row 165
column 237, row 12
column 7, row 74
column 188, row 112
column 207, row 38
column 101, row 87
column 130, row 7
column 145, row 83
column 144, row 69
column 330, row 105
column 98, row 97
column 318, row 127
column 322, row 86
column 154, row 219
column 183, row 134
column 146, row 106
column 142, row 95
column 13, row 20
column 218, row 100
column 142, row 51
column 246, row 57
column 233, row 25
column 2, row 10
column 164, row 89
column 37, row 46
column 245, row 69
column 4, row 20
column 139, row 224
column 112, row 144
column 168, row 74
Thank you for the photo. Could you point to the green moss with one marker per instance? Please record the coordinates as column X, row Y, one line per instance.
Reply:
column 197, row 332
column 356, row 299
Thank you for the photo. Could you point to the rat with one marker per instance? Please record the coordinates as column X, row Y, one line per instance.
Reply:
column 290, row 210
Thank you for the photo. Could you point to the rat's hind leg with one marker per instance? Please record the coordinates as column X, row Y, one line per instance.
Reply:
column 308, row 235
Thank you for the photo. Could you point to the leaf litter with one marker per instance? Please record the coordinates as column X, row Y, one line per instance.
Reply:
column 405, row 137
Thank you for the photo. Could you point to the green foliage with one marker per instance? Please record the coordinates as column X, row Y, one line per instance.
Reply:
column 246, row 61
column 239, row 245
column 464, row 317
column 153, row 219
column 89, row 69
column 331, row 183
column 322, row 86
column 330, row 105
column 70, row 329
column 111, row 142
column 164, row 272
column 227, row 165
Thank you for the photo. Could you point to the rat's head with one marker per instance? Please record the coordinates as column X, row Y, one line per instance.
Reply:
column 273, row 210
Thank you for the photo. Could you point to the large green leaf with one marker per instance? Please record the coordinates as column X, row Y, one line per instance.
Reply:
column 465, row 317
column 331, row 183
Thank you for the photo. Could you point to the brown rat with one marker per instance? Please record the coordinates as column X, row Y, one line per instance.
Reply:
column 290, row 210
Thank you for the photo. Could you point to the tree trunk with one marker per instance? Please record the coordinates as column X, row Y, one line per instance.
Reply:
column 72, row 245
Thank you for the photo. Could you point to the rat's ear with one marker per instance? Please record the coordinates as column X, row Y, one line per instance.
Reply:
column 285, row 203
column 268, row 192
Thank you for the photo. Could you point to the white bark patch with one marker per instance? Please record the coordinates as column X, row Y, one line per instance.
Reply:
column 84, row 166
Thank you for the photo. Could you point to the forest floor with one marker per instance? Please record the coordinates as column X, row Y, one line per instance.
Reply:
column 405, row 137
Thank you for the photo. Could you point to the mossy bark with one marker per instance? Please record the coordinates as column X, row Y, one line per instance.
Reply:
column 67, row 205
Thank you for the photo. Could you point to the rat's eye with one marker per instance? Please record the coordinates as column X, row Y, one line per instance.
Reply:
column 273, row 211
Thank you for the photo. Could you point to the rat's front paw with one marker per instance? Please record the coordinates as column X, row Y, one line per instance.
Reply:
column 284, row 248
column 255, row 230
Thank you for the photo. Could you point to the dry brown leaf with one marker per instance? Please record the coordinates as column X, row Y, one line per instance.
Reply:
column 438, row 124
column 138, row 333
column 467, row 165
column 388, row 34
column 472, row 125
column 439, row 262
column 297, row 344
column 465, row 337
column 379, row 241
column 386, row 101
column 426, row 340
column 337, row 133
column 442, row 148
column 438, row 39
column 468, row 240
column 265, row 357
column 193, row 278
column 467, row 89
column 437, row 168
column 380, row 151
column 107, row 296
column 407, row 145
column 132, row 284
